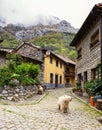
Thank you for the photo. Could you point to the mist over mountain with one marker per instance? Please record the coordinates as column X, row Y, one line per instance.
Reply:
column 36, row 20
column 40, row 26
column 47, row 32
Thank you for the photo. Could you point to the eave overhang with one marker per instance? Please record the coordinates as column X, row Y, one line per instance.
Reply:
column 93, row 16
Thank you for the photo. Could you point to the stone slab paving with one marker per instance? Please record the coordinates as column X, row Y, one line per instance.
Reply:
column 45, row 115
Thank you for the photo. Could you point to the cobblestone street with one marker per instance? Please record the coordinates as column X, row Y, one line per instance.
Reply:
column 45, row 115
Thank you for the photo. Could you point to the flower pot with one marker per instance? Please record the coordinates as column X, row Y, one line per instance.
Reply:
column 92, row 103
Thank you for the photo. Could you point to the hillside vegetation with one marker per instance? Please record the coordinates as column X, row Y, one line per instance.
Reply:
column 8, row 40
column 57, row 42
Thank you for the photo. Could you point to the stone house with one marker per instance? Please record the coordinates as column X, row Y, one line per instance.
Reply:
column 63, row 74
column 58, row 70
column 88, row 44
column 31, row 53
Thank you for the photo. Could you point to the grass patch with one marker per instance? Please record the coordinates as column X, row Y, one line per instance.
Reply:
column 1, row 97
column 13, row 112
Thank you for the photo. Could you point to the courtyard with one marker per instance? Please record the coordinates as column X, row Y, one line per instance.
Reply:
column 43, row 114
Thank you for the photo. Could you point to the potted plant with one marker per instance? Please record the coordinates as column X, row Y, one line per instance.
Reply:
column 95, row 89
column 78, row 89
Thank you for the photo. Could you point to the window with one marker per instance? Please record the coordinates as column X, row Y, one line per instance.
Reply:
column 94, row 39
column 51, row 60
column 85, row 76
column 60, row 79
column 56, row 63
column 79, row 78
column 79, row 53
column 51, row 78
column 60, row 65
column 95, row 73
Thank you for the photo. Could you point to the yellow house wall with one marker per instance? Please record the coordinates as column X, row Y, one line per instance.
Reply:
column 51, row 68
column 72, row 79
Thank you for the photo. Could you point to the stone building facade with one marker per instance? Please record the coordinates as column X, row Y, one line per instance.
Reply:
column 88, row 43
column 31, row 53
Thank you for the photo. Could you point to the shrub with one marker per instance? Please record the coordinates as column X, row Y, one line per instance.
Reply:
column 15, row 58
column 78, row 86
column 73, row 90
column 27, row 81
column 34, row 70
column 88, row 85
column 5, row 76
column 14, row 75
column 26, row 73
column 96, row 88
column 22, row 69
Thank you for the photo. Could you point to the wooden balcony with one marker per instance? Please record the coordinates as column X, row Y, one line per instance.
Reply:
column 69, row 74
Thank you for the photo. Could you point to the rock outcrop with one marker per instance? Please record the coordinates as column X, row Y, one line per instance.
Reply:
column 42, row 27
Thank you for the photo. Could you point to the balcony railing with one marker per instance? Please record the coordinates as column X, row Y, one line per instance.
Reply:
column 69, row 74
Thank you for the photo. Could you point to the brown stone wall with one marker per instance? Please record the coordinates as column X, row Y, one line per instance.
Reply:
column 23, row 92
column 31, row 52
column 35, row 54
column 90, row 57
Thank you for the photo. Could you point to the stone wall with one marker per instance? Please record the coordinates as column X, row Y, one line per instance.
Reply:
column 90, row 56
column 23, row 92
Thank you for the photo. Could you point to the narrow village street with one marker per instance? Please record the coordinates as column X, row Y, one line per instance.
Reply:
column 45, row 115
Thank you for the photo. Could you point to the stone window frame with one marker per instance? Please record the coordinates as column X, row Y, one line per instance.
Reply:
column 95, row 73
column 94, row 39
column 79, row 54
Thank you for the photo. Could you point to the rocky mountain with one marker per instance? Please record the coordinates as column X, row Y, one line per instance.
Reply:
column 53, row 34
column 42, row 27
column 7, row 39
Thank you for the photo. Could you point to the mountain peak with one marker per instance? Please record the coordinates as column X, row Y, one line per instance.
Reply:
column 40, row 26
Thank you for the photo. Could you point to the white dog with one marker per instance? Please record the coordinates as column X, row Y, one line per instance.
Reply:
column 63, row 103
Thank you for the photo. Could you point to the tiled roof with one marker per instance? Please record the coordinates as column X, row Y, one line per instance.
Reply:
column 31, row 44
column 6, row 49
column 64, row 59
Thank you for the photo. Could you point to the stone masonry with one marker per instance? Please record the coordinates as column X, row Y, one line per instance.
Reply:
column 23, row 92
column 91, row 57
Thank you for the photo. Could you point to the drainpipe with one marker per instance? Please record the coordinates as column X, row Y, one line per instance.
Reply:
column 101, row 43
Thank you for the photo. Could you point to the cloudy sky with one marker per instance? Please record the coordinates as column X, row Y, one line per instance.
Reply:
column 25, row 11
